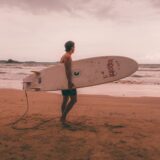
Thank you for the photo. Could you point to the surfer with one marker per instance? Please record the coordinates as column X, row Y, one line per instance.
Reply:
column 69, row 95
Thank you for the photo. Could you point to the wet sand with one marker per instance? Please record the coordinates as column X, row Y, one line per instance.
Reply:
column 99, row 128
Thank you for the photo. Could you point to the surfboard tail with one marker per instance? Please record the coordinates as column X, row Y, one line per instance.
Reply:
column 28, row 87
column 32, row 82
column 37, row 73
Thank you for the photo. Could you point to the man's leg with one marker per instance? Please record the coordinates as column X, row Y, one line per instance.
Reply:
column 73, row 100
column 64, row 103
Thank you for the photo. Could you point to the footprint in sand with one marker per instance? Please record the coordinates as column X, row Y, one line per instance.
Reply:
column 79, row 127
column 114, row 128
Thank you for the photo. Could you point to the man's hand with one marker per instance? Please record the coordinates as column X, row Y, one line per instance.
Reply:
column 70, row 85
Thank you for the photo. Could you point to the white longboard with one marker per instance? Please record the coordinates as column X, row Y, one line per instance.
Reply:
column 85, row 72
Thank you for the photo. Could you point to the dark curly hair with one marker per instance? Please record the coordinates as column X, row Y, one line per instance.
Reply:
column 68, row 45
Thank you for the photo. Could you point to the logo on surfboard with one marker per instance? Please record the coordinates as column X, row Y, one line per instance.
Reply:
column 76, row 73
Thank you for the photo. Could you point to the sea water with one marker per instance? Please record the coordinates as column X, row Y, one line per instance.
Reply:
column 144, row 82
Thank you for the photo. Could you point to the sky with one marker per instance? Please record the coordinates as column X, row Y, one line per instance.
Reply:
column 36, row 30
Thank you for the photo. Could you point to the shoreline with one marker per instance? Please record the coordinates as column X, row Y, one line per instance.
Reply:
column 112, row 93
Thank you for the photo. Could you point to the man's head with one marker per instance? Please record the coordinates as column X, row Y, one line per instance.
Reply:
column 69, row 46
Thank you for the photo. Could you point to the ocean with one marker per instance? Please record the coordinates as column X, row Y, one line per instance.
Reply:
column 144, row 82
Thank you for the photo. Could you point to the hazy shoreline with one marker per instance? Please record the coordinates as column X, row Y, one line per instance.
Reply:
column 143, row 65
column 144, row 82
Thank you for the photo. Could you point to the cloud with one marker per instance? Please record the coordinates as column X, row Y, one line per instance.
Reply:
column 156, row 3
column 90, row 6
column 121, row 10
column 36, row 5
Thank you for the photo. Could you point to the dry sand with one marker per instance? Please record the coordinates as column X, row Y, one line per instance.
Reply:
column 100, row 128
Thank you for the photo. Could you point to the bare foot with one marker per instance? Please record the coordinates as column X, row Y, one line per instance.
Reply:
column 63, row 120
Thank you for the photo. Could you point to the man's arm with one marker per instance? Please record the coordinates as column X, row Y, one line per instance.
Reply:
column 68, row 69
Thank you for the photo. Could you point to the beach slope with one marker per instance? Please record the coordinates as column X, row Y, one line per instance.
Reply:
column 99, row 128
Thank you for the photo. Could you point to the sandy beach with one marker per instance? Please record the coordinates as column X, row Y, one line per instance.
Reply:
column 99, row 128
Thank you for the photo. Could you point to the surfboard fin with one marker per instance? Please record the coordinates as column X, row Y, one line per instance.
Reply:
column 37, row 73
column 26, row 85
column 36, row 89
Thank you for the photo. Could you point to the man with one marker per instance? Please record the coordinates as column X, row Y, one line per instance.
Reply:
column 69, row 95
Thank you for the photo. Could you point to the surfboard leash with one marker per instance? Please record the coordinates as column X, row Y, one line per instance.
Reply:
column 23, row 115
column 13, row 124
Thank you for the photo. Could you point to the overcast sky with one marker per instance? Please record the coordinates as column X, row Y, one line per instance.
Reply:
column 37, row 29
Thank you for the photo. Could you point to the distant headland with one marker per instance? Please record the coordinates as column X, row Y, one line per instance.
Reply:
column 10, row 61
column 14, row 61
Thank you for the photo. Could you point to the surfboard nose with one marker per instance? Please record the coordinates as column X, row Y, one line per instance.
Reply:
column 134, row 65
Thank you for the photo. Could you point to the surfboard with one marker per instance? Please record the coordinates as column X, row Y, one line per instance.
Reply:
column 85, row 72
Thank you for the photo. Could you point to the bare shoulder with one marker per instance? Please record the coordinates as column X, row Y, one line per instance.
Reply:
column 67, row 58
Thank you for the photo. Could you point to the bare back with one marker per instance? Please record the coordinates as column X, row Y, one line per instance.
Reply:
column 66, row 57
